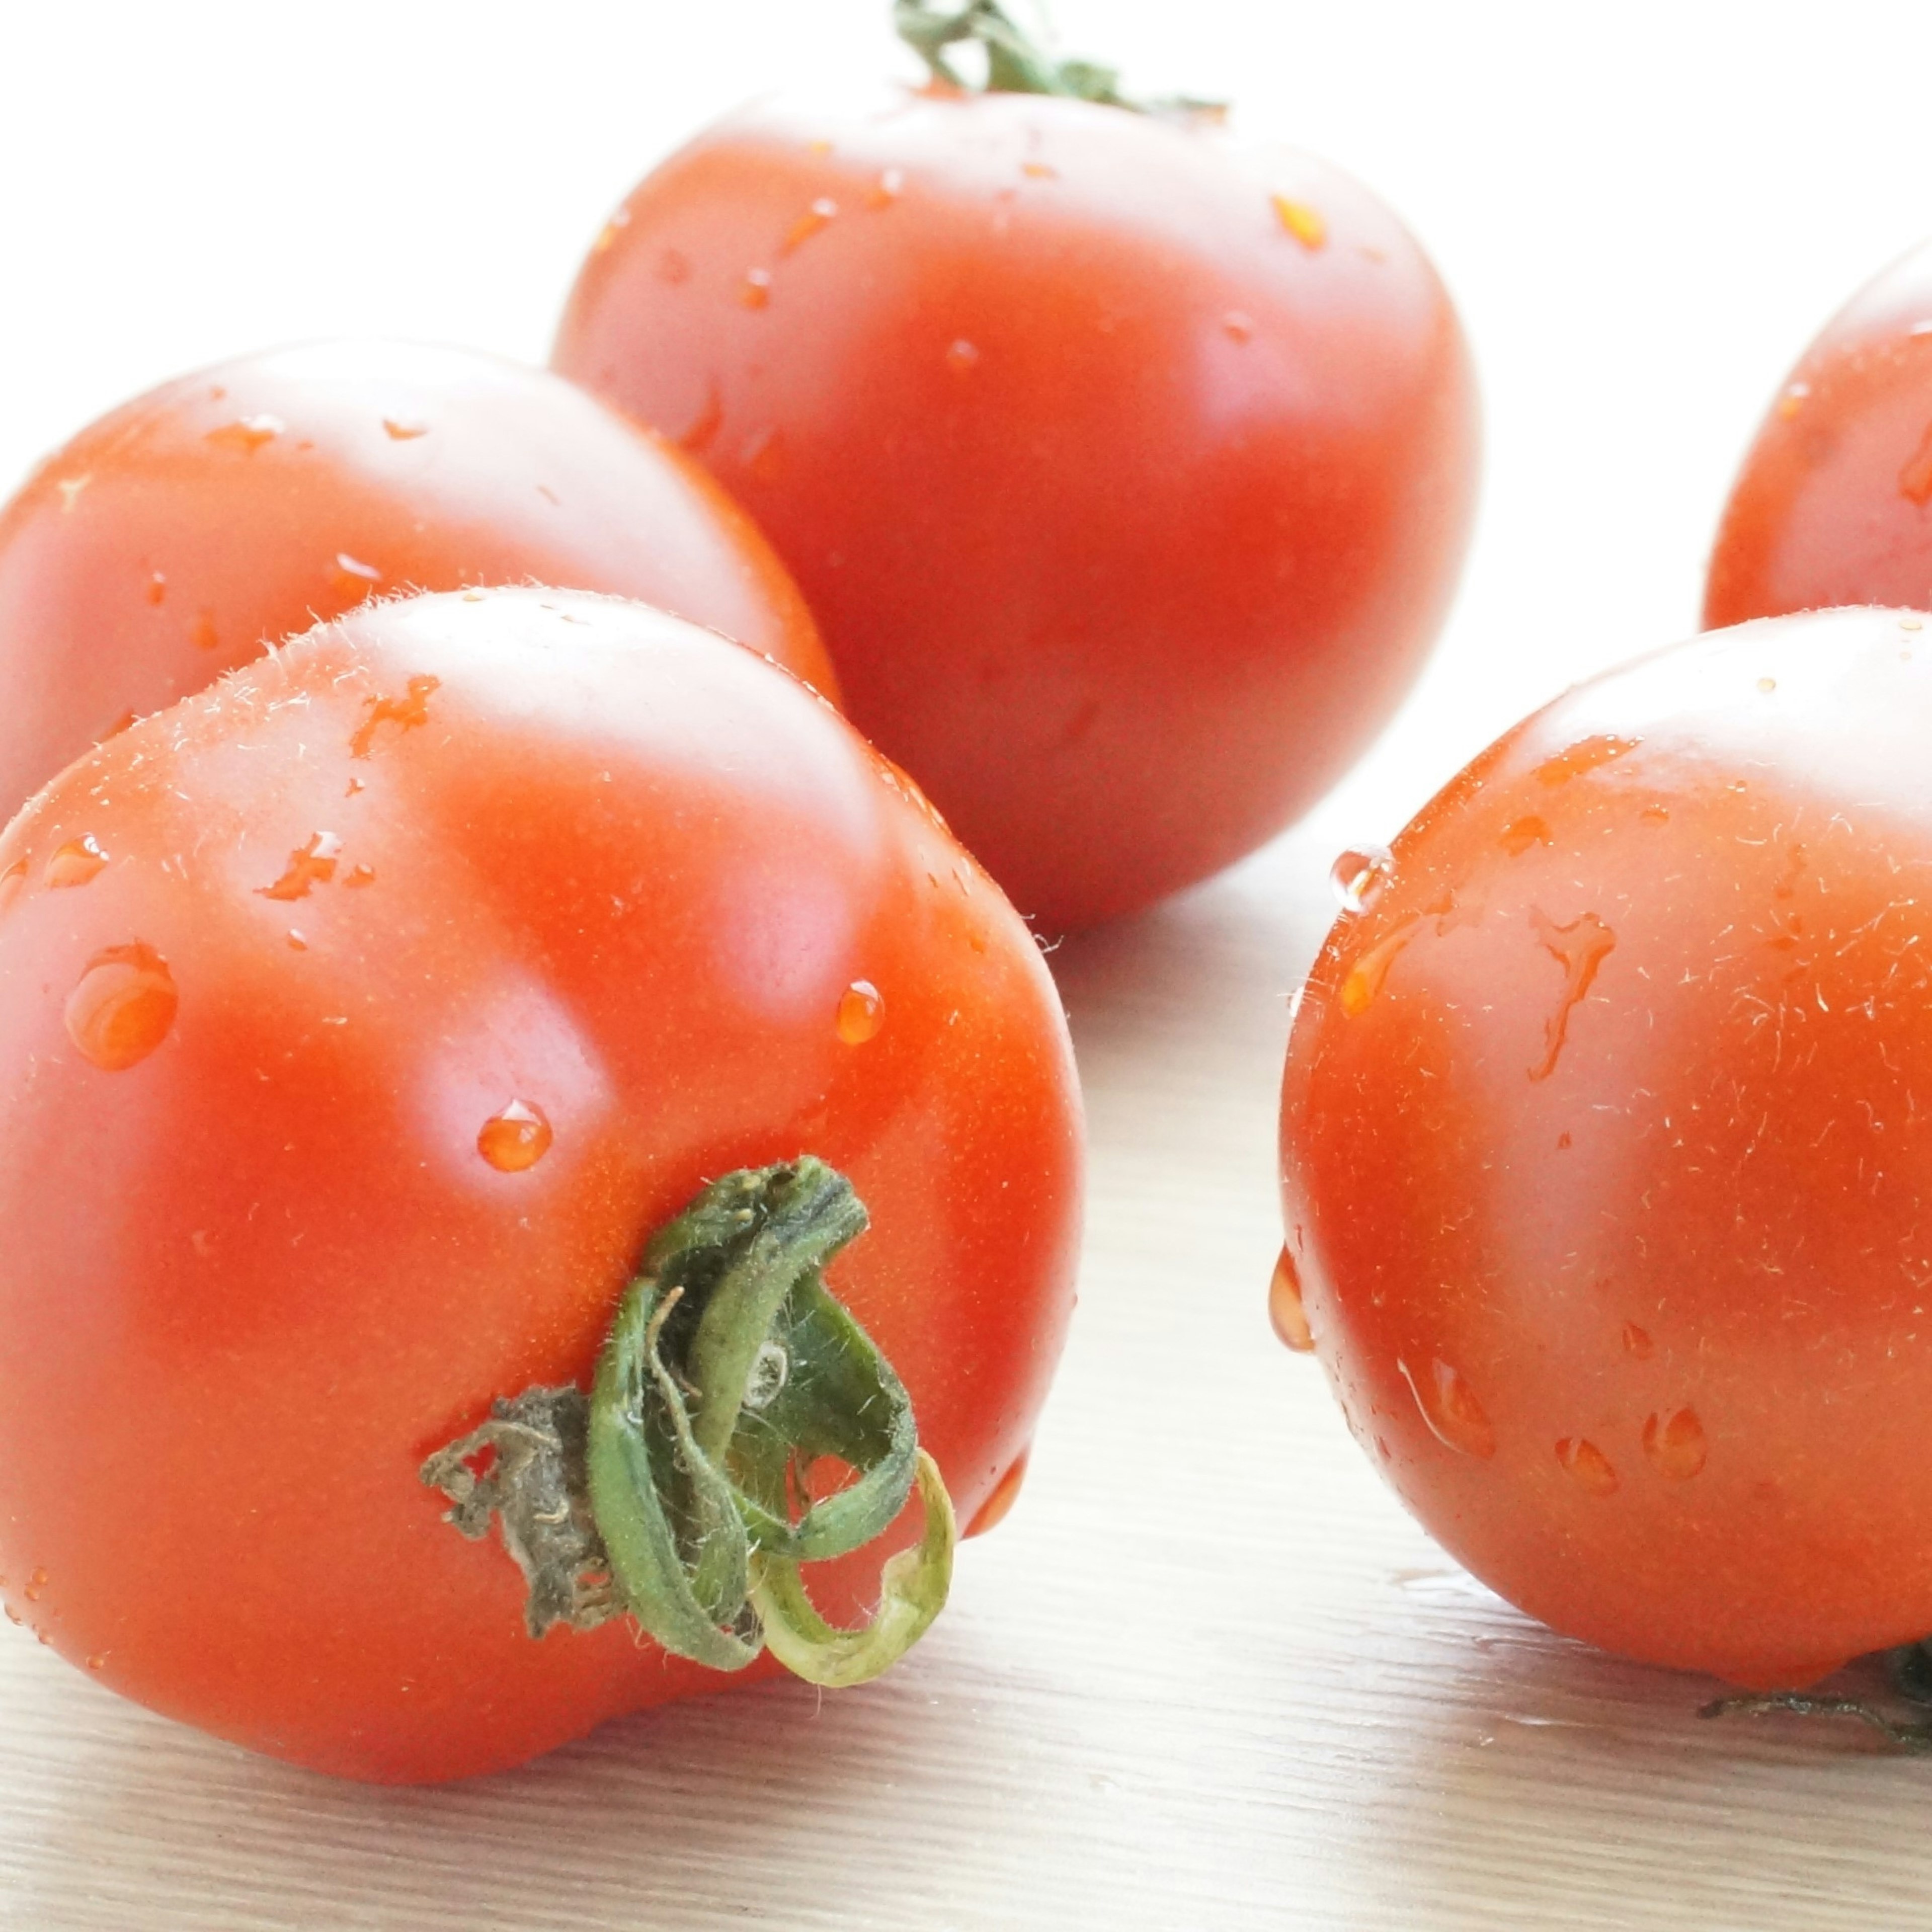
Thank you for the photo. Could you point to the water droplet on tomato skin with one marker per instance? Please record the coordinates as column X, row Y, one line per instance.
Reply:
column 1587, row 1465
column 886, row 189
column 1676, row 1445
column 13, row 880
column 1305, row 223
column 98, row 1661
column 157, row 588
column 1237, row 326
column 36, row 1583
column 76, row 863
column 1285, row 1313
column 756, row 290
column 515, row 1140
column 962, row 359
column 1359, row 876
column 998, row 1506
column 399, row 430
column 1449, row 1406
column 861, row 1012
column 123, row 1007
column 814, row 220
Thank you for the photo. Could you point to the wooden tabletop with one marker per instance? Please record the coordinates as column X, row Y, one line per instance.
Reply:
column 1207, row 1674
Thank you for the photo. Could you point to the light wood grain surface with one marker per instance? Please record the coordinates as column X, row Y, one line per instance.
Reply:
column 1207, row 1675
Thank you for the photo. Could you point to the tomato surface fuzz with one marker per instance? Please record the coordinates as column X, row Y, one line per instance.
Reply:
column 185, row 532
column 1607, row 1143
column 361, row 1019
column 1127, row 468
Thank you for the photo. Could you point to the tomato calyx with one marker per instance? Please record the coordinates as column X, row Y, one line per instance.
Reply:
column 668, row 1492
column 1909, row 1669
column 1015, row 64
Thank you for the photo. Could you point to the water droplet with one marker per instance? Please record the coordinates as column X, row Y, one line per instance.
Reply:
column 13, row 1615
column 405, row 713
column 515, row 1139
column 1284, row 1309
column 202, row 633
column 1675, row 1445
column 36, row 1583
column 1519, row 836
column 886, row 190
column 1366, row 975
column 314, row 865
column 298, row 942
column 123, row 1007
column 1767, row 685
column 1236, row 326
column 756, row 290
column 994, row 1509
column 1359, row 875
column 1580, row 948
column 1304, row 222
column 1584, row 756
column 360, row 875
column 402, row 429
column 611, row 229
column 819, row 217
column 1792, row 400
column 1655, row 815
column 962, row 359
column 1587, row 1465
column 12, row 881
column 157, row 588
column 248, row 435
column 76, row 862
column 1449, row 1405
column 861, row 1012
column 98, row 1661
column 351, row 574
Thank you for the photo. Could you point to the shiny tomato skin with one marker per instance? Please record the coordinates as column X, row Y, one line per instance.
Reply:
column 176, row 537
column 1607, row 1154
column 1127, row 470
column 259, row 1267
column 1834, row 503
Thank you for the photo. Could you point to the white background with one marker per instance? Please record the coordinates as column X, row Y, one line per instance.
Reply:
column 1207, row 1675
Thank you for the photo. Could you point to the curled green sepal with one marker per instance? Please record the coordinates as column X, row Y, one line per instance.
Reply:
column 729, row 1371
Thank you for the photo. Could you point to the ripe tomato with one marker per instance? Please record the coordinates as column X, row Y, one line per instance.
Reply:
column 360, row 1018
column 1607, row 1154
column 1834, row 505
column 1126, row 469
column 176, row 537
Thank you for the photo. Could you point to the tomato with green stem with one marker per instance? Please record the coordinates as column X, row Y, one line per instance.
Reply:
column 448, row 1067
column 1127, row 468
column 185, row 532
column 1607, row 1154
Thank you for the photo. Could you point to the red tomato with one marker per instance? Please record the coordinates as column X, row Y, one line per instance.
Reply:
column 1127, row 470
column 1607, row 1154
column 1834, row 505
column 359, row 1019
column 176, row 537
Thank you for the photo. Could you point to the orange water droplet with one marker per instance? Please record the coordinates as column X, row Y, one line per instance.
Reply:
column 1304, row 222
column 1449, row 1405
column 861, row 1012
column 360, row 875
column 403, row 429
column 515, row 1139
column 1365, row 976
column 1792, row 400
column 1580, row 948
column 1236, row 326
column 1518, row 836
column 611, row 229
column 298, row 942
column 1358, row 876
column 1284, row 1309
column 756, row 288
column 12, row 882
column 124, row 1006
column 1585, row 755
column 202, row 633
column 76, row 862
column 1675, row 1445
column 998, row 1506
column 36, row 1583
column 314, row 865
column 157, row 588
column 962, row 359
column 406, row 713
column 886, row 190
column 1587, row 1465
column 13, row 1615
column 1637, row 1341
column 817, row 218
column 352, row 575
column 248, row 435
column 98, row 1661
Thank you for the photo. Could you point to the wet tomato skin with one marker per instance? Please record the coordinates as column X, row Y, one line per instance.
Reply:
column 403, row 982
column 1607, row 1157
column 1834, row 503
column 1127, row 470
column 176, row 537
